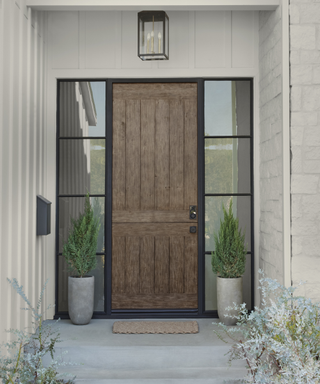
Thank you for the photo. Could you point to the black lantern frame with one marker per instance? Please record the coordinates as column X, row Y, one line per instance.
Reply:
column 153, row 35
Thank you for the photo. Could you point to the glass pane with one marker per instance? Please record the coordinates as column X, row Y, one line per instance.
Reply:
column 82, row 166
column 227, row 165
column 82, row 109
column 98, row 274
column 211, row 284
column 71, row 207
column 247, row 283
column 227, row 108
column 213, row 214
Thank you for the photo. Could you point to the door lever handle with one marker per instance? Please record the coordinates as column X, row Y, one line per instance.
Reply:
column 192, row 212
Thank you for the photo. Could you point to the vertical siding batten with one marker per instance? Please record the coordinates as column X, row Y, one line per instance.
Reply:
column 2, row 291
column 9, row 161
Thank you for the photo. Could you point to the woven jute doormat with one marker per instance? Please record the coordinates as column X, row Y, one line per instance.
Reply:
column 155, row 327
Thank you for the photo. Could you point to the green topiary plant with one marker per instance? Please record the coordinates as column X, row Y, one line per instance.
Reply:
column 80, row 249
column 229, row 258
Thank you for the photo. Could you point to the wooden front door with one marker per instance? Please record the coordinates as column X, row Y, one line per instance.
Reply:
column 154, row 182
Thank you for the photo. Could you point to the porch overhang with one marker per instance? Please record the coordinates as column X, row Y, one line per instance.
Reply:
column 168, row 5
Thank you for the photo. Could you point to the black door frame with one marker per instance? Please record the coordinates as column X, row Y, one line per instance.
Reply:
column 147, row 313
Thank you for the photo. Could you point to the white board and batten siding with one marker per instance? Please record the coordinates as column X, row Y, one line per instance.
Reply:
column 104, row 44
column 23, row 162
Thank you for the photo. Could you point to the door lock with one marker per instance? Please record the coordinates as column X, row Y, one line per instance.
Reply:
column 193, row 229
column 193, row 212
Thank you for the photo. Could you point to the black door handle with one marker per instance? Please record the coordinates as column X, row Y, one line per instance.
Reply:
column 192, row 211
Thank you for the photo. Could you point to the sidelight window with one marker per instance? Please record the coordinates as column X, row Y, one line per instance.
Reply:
column 228, row 169
column 81, row 169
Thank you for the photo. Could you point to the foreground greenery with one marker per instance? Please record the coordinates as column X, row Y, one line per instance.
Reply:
column 280, row 341
column 21, row 361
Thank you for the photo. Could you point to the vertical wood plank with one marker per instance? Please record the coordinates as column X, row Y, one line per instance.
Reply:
column 162, row 260
column 147, row 153
column 119, row 156
column 118, row 264
column 176, row 264
column 162, row 160
column 132, row 265
column 191, row 153
column 133, row 154
column 147, row 265
column 176, row 154
column 191, row 264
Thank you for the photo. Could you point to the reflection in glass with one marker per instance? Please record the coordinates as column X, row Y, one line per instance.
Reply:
column 98, row 274
column 98, row 89
column 82, row 166
column 211, row 284
column 72, row 207
column 227, row 108
column 82, row 109
column 227, row 166
column 213, row 214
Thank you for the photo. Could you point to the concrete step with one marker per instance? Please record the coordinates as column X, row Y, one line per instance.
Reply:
column 155, row 357
column 158, row 381
column 154, row 365
column 107, row 358
column 177, row 376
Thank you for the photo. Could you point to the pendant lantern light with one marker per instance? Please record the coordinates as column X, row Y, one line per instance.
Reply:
column 153, row 35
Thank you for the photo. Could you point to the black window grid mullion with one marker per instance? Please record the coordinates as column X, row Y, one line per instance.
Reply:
column 82, row 138
column 82, row 195
column 229, row 137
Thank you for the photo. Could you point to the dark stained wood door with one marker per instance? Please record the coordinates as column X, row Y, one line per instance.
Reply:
column 154, row 255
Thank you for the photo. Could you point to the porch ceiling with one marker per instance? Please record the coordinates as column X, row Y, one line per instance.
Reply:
column 168, row 5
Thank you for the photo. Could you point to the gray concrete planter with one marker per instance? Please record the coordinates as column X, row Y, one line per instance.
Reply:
column 80, row 299
column 229, row 291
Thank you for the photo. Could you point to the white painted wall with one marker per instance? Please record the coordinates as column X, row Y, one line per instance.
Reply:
column 23, row 161
column 305, row 145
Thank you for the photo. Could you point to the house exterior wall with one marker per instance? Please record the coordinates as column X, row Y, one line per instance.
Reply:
column 271, row 154
column 22, row 162
column 305, row 144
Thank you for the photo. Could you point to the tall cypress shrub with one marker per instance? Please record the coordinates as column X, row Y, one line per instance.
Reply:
column 229, row 258
column 80, row 248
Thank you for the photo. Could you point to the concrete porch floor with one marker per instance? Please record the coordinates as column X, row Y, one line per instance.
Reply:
column 108, row 358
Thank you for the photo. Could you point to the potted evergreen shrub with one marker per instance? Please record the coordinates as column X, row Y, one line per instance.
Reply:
column 228, row 262
column 80, row 254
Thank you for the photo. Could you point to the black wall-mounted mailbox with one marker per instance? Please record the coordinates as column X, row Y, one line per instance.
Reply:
column 43, row 216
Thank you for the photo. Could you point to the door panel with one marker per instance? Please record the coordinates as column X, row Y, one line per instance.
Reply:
column 154, row 255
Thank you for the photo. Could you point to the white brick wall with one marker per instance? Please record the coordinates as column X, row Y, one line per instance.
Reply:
column 305, row 144
column 271, row 238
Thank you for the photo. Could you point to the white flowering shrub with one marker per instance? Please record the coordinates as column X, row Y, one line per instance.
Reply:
column 22, row 361
column 280, row 342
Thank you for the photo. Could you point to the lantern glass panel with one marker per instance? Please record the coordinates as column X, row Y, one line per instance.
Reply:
column 166, row 38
